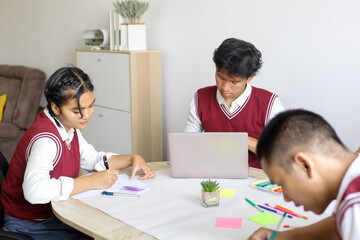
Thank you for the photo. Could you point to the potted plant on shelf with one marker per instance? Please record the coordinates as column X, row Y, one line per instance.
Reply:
column 210, row 195
column 133, row 33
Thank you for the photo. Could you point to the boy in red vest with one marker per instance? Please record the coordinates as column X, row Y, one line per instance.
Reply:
column 233, row 105
column 301, row 152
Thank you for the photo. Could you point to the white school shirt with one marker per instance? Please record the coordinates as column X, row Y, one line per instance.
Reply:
column 38, row 187
column 193, row 123
column 349, row 226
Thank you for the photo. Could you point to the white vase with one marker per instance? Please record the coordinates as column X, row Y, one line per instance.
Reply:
column 133, row 36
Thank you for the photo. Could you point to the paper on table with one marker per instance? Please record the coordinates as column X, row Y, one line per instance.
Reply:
column 118, row 186
column 222, row 222
column 227, row 192
column 181, row 216
column 264, row 218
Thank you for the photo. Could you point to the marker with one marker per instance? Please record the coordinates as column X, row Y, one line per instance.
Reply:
column 290, row 226
column 105, row 162
column 273, row 210
column 284, row 208
column 288, row 211
column 253, row 204
column 262, row 183
column 292, row 211
column 120, row 194
column 278, row 227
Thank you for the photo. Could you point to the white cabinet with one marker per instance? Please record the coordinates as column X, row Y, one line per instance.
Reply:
column 128, row 108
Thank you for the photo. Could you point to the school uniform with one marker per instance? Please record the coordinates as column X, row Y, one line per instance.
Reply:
column 347, row 210
column 249, row 113
column 43, row 168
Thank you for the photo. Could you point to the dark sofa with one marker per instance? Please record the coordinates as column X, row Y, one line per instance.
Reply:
column 24, row 87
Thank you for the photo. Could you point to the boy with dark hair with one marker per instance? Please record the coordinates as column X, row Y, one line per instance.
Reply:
column 301, row 152
column 233, row 105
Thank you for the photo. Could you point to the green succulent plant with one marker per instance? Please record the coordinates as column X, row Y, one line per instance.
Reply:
column 210, row 186
column 131, row 10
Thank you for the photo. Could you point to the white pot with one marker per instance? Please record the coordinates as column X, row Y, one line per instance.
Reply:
column 133, row 36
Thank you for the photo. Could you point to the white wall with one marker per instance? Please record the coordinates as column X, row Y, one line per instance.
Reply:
column 311, row 49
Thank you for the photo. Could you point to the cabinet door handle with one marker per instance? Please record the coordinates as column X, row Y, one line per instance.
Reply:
column 99, row 60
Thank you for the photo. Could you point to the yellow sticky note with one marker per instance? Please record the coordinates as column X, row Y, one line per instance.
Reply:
column 227, row 192
column 264, row 218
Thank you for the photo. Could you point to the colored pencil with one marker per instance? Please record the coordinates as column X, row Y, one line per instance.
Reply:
column 277, row 207
column 273, row 210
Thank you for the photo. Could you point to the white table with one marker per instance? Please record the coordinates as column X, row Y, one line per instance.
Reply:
column 100, row 225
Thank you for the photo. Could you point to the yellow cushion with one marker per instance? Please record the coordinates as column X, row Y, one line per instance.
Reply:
column 2, row 104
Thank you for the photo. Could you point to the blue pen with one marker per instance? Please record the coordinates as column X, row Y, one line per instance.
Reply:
column 273, row 210
column 120, row 194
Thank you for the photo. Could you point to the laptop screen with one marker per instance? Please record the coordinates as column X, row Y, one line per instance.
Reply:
column 209, row 154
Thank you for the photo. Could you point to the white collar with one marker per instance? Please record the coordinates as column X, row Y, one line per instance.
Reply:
column 65, row 136
column 239, row 101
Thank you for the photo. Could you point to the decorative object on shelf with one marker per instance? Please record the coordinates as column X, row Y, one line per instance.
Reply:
column 132, row 32
column 96, row 39
column 131, row 10
column 114, row 23
column 210, row 194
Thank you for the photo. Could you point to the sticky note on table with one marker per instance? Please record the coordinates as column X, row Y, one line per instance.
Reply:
column 222, row 222
column 227, row 192
column 264, row 218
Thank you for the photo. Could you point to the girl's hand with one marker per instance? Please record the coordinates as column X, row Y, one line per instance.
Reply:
column 104, row 179
column 138, row 163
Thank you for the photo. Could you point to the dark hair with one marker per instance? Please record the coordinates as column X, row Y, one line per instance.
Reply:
column 237, row 57
column 296, row 130
column 65, row 84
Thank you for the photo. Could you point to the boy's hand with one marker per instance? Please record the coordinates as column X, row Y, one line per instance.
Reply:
column 138, row 163
column 358, row 151
column 261, row 234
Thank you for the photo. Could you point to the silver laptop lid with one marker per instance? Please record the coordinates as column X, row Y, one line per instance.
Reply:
column 209, row 155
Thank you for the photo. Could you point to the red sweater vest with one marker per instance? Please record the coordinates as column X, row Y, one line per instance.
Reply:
column 67, row 163
column 250, row 117
column 351, row 197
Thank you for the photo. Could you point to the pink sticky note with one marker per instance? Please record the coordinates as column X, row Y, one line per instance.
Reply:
column 228, row 222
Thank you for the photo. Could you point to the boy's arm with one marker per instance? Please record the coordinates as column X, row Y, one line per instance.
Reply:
column 193, row 122
column 324, row 229
column 252, row 143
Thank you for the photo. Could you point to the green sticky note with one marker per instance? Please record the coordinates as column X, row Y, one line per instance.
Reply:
column 227, row 192
column 264, row 218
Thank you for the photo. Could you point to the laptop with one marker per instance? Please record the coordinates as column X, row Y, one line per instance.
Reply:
column 209, row 155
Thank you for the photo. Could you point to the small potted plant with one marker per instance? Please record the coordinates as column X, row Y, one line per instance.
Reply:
column 210, row 194
column 131, row 10
column 133, row 33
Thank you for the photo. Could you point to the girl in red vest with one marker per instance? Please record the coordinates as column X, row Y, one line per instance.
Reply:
column 46, row 163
